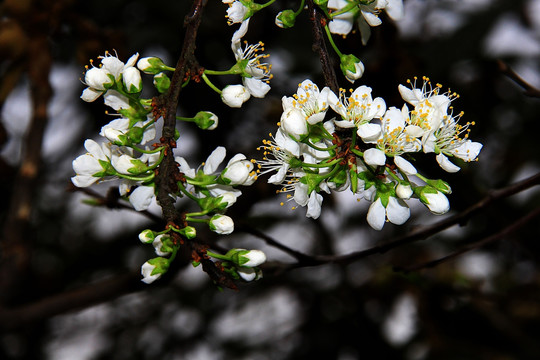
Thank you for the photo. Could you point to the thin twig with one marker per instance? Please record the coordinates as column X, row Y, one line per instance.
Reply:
column 529, row 89
column 305, row 260
column 487, row 240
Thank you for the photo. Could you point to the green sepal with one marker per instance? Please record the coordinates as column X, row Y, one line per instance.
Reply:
column 287, row 18
column 440, row 185
column 108, row 169
column 138, row 167
column 162, row 82
column 161, row 265
column 135, row 134
column 340, row 178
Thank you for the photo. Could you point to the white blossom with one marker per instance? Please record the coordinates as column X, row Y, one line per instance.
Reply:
column 146, row 272
column 87, row 167
column 235, row 95
column 221, row 224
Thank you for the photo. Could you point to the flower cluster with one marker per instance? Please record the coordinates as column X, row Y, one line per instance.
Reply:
column 130, row 154
column 367, row 149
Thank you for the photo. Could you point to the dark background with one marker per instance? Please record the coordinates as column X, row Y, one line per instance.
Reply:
column 69, row 282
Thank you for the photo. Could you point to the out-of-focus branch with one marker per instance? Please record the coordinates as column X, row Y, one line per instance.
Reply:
column 15, row 243
column 529, row 89
column 89, row 295
column 461, row 218
column 487, row 240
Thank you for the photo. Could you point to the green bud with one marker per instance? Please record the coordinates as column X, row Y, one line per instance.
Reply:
column 351, row 67
column 189, row 232
column 147, row 236
column 162, row 82
column 286, row 19
column 206, row 120
column 152, row 65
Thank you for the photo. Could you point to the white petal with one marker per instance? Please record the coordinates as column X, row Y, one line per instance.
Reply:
column 397, row 211
column 300, row 193
column 468, row 151
column 90, row 94
column 141, row 197
column 256, row 88
column 446, row 164
column 374, row 157
column 116, row 100
column 394, row 9
column 369, row 132
column 376, row 215
column 242, row 30
column 405, row 165
column 214, row 160
column 314, row 205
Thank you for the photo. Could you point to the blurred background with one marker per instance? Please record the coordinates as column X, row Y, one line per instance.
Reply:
column 69, row 272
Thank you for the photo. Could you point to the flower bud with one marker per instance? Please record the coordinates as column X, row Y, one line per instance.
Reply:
column 163, row 245
column 153, row 269
column 247, row 258
column 404, row 191
column 98, row 79
column 239, row 171
column 162, row 82
column 132, row 80
column 189, row 232
column 152, row 65
column 352, row 67
column 435, row 200
column 249, row 274
column 227, row 199
column 206, row 120
column 147, row 236
column 128, row 165
column 293, row 122
column 286, row 19
column 235, row 95
column 221, row 224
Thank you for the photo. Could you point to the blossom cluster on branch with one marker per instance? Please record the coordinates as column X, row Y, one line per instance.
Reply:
column 368, row 148
column 365, row 147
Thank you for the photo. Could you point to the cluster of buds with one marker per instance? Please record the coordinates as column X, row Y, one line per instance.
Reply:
column 125, row 155
column 367, row 149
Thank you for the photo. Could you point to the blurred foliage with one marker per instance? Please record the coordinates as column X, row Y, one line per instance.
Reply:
column 483, row 305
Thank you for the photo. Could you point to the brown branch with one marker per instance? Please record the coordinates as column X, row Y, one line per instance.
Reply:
column 512, row 75
column 319, row 46
column 305, row 260
column 487, row 240
column 89, row 295
column 15, row 245
column 168, row 174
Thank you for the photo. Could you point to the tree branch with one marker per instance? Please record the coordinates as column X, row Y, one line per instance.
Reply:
column 319, row 46
column 305, row 260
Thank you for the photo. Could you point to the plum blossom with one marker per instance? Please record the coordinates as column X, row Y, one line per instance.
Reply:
column 256, row 72
column 365, row 16
column 358, row 110
column 92, row 166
